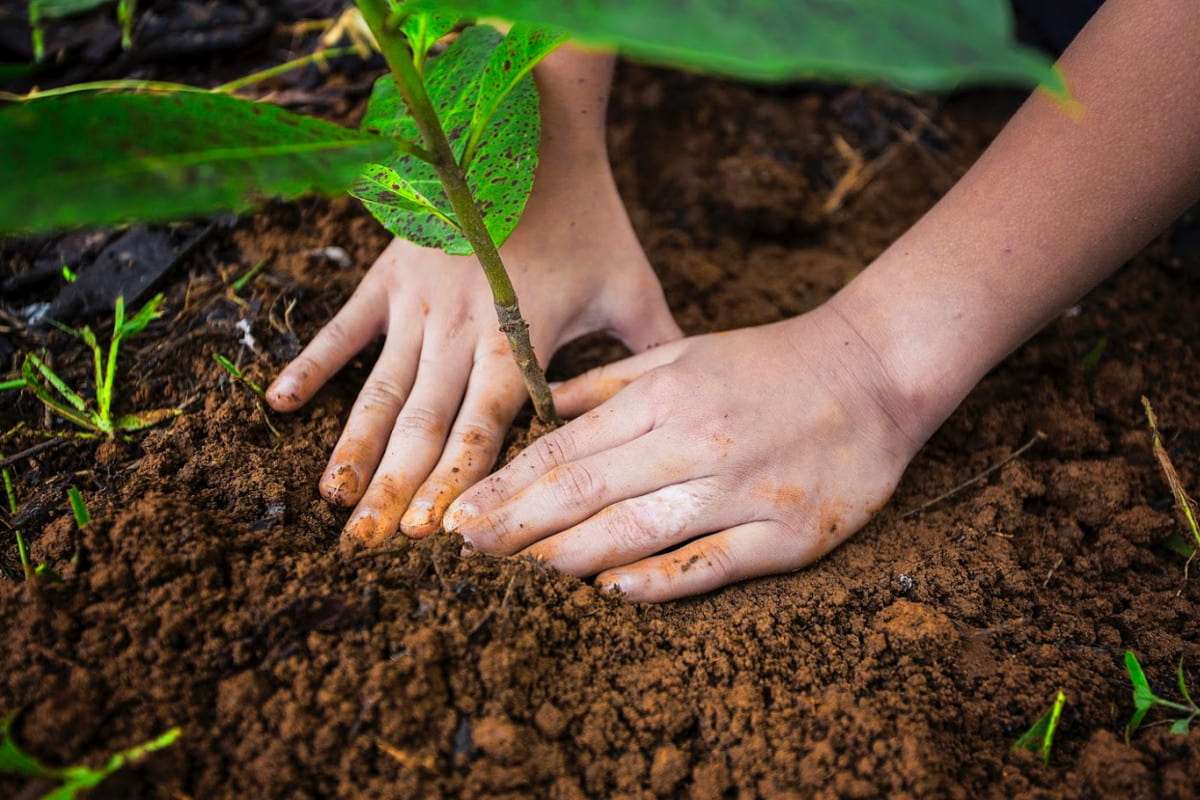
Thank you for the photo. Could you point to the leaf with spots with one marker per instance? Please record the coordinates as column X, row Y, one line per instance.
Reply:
column 918, row 44
column 101, row 159
column 404, row 192
column 522, row 49
column 424, row 29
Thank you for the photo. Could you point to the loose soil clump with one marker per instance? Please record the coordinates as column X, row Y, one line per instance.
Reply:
column 210, row 591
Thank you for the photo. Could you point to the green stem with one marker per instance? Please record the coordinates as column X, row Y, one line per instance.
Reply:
column 454, row 182
column 319, row 56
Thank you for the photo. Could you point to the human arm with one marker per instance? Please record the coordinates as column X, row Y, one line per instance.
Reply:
column 764, row 448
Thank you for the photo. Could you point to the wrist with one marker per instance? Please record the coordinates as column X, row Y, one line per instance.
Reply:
column 922, row 367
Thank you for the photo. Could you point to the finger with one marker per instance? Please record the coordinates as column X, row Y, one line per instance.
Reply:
column 415, row 443
column 746, row 551
column 609, row 426
column 495, row 393
column 572, row 492
column 596, row 386
column 361, row 444
column 359, row 321
column 639, row 527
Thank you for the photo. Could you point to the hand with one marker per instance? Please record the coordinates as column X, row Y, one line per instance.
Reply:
column 431, row 417
column 757, row 450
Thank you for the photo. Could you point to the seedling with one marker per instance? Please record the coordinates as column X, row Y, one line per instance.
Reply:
column 79, row 509
column 259, row 395
column 75, row 779
column 1145, row 699
column 447, row 150
column 40, row 10
column 69, row 274
column 96, row 419
column 244, row 280
column 1183, row 502
column 1040, row 738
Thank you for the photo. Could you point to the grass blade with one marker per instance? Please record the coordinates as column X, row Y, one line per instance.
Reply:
column 34, row 365
column 79, row 509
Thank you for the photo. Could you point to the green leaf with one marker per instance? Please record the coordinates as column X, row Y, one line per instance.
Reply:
column 523, row 48
column 99, row 159
column 1181, row 680
column 919, row 44
column 152, row 310
column 14, row 760
column 405, row 194
column 424, row 29
column 34, row 365
column 145, row 419
column 1040, row 737
column 79, row 509
column 1180, row 727
column 1143, row 696
column 1178, row 544
column 56, row 9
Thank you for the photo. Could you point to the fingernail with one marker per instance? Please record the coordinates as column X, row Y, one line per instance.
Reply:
column 616, row 584
column 555, row 384
column 457, row 515
column 340, row 485
column 416, row 519
column 361, row 526
column 285, row 387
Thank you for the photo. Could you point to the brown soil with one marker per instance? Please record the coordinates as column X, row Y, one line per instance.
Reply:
column 210, row 592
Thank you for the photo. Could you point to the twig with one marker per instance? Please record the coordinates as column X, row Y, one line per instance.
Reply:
column 30, row 451
column 1037, row 437
column 1050, row 574
column 491, row 612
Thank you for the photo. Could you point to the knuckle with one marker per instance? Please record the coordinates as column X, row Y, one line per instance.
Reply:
column 578, row 486
column 479, row 437
column 721, row 562
column 419, row 423
column 336, row 334
column 382, row 392
column 628, row 530
column 550, row 452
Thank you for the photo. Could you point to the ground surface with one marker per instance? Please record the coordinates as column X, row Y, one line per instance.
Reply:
column 209, row 592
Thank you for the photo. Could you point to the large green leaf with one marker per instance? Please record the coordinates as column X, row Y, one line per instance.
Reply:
column 97, row 159
column 915, row 44
column 404, row 193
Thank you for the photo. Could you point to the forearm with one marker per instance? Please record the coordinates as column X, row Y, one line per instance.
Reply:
column 574, row 86
column 1054, row 206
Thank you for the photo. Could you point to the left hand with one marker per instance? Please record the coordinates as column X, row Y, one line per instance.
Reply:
column 757, row 450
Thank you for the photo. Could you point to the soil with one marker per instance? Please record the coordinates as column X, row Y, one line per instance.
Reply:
column 209, row 592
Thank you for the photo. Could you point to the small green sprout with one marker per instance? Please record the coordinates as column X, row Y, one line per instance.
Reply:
column 23, row 552
column 260, row 396
column 79, row 509
column 243, row 281
column 10, row 492
column 44, row 382
column 1145, row 699
column 69, row 274
column 75, row 779
column 1040, row 738
column 237, row 375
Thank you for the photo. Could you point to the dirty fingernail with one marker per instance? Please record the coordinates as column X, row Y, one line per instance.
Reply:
column 615, row 584
column 364, row 527
column 340, row 485
column 285, row 388
column 457, row 515
column 416, row 521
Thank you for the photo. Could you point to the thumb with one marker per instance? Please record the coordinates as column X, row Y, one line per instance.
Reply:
column 646, row 322
column 583, row 393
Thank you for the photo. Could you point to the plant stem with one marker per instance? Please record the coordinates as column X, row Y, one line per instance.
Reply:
column 454, row 182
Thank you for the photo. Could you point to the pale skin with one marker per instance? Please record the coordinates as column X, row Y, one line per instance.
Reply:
column 756, row 451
